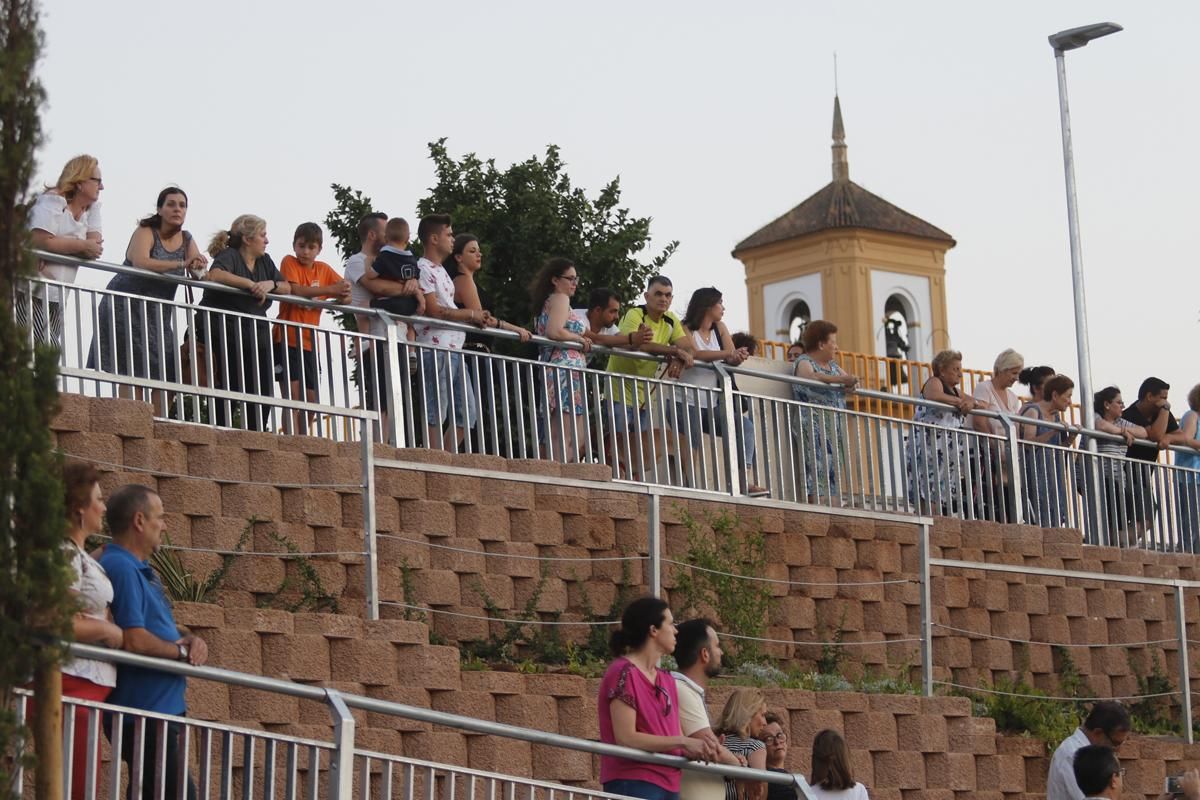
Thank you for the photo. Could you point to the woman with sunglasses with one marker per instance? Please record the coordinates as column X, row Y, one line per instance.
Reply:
column 638, row 705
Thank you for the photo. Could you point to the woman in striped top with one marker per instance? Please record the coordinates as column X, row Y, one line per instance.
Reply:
column 742, row 724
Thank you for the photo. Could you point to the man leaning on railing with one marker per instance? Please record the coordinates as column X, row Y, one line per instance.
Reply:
column 140, row 607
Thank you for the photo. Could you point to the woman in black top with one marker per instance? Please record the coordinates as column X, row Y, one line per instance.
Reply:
column 240, row 346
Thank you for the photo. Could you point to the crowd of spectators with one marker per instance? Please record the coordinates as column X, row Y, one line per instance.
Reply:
column 649, row 407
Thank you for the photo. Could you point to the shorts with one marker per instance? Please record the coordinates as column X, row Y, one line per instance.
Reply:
column 300, row 364
column 447, row 386
column 627, row 418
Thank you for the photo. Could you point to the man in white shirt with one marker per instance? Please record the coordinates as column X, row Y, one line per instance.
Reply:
column 448, row 388
column 698, row 655
column 602, row 312
column 373, row 361
column 1107, row 725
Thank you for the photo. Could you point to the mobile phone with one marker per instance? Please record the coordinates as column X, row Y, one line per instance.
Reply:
column 1173, row 785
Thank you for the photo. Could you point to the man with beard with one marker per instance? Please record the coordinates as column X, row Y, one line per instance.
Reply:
column 698, row 654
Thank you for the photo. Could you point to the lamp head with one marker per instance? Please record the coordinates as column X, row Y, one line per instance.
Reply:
column 1073, row 38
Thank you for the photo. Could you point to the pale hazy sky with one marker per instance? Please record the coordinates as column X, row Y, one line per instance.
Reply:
column 716, row 116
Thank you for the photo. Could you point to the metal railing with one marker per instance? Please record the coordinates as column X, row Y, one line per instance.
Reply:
column 892, row 377
column 222, row 759
column 645, row 429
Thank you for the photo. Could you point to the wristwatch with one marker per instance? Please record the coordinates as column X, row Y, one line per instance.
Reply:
column 183, row 652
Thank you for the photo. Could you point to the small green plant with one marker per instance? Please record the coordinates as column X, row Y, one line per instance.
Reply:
column 1152, row 715
column 597, row 641
column 719, row 583
column 1020, row 708
column 180, row 584
column 505, row 647
column 410, row 592
column 832, row 651
column 313, row 594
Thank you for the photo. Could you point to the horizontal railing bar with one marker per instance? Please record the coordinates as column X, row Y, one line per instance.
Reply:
column 1064, row 573
column 421, row 714
column 631, row 487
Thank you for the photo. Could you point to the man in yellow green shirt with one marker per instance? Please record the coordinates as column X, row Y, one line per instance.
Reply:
column 629, row 399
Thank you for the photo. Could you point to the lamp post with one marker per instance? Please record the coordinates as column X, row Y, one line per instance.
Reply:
column 1062, row 42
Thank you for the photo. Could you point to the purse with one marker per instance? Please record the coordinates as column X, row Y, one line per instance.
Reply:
column 193, row 374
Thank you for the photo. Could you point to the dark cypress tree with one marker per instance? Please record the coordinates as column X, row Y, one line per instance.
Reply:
column 35, row 606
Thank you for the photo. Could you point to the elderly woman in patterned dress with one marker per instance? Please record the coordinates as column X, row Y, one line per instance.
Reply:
column 822, row 431
column 938, row 453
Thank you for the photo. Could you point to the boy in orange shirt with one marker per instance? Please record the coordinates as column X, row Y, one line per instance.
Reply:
column 309, row 278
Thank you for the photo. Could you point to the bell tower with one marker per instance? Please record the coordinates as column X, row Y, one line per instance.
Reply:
column 853, row 258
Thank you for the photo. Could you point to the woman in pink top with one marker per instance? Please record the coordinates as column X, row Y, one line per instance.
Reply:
column 638, row 706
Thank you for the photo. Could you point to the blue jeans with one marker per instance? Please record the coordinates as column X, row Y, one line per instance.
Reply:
column 640, row 789
column 447, row 385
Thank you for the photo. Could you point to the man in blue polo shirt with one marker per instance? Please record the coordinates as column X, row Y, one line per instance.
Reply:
column 140, row 607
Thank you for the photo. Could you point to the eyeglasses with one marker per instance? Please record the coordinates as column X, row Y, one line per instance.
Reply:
column 778, row 738
column 659, row 690
column 569, row 278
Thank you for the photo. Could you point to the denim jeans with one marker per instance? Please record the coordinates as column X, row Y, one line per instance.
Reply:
column 640, row 789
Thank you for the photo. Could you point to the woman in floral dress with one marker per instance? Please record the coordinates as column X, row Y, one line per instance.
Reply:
column 551, row 293
column 822, row 432
column 937, row 451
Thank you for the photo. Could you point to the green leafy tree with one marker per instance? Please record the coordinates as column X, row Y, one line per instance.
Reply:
column 349, row 206
column 529, row 212
column 35, row 605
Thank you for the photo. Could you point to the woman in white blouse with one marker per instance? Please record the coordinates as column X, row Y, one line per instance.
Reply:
column 65, row 219
column 87, row 678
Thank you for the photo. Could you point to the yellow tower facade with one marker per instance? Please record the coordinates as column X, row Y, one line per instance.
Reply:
column 851, row 257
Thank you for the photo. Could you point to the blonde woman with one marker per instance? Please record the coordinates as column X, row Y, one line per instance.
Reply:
column 742, row 723
column 240, row 346
column 65, row 219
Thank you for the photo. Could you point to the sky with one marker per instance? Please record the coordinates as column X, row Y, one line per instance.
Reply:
column 715, row 116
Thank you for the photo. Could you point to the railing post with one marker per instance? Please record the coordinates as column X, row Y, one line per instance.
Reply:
column 1185, row 676
column 926, row 613
column 1016, row 492
column 397, row 379
column 654, row 541
column 730, row 419
column 368, row 508
column 341, row 766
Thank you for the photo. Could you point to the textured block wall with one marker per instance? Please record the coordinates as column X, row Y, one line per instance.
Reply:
column 858, row 575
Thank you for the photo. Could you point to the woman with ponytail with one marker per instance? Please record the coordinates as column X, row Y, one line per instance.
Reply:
column 240, row 346
column 638, row 705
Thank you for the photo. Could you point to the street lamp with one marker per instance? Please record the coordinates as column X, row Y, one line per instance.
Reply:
column 1063, row 41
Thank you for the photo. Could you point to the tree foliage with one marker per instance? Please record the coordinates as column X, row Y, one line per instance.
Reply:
column 529, row 212
column 349, row 207
column 34, row 601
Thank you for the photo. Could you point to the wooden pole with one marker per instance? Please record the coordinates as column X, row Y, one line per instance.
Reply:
column 47, row 732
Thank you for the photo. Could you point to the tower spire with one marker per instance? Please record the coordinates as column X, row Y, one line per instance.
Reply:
column 841, row 164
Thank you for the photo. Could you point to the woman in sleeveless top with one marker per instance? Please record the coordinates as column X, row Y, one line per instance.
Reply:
column 703, row 410
column 86, row 678
column 1115, row 502
column 551, row 293
column 137, row 337
column 939, row 458
column 821, row 433
column 1048, row 469
column 741, row 725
